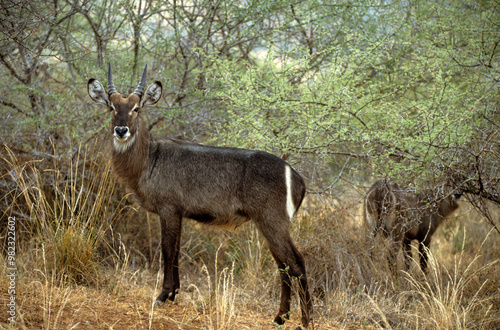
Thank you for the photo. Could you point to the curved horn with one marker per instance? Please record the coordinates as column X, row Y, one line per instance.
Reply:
column 140, row 88
column 111, row 87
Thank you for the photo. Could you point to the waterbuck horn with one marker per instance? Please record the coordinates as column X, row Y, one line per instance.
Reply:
column 140, row 88
column 111, row 87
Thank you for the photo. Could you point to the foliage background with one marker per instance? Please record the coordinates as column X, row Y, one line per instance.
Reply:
column 347, row 91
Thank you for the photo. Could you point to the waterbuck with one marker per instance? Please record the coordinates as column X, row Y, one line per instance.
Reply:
column 404, row 216
column 212, row 185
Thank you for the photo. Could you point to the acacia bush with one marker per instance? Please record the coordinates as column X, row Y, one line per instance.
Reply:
column 347, row 92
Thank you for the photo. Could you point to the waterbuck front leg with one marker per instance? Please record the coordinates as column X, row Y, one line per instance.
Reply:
column 171, row 224
column 407, row 252
column 396, row 241
column 423, row 248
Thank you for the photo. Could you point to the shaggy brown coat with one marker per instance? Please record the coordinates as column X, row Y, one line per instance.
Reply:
column 404, row 216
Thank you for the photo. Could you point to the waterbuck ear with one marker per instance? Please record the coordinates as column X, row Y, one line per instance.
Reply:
column 152, row 94
column 97, row 92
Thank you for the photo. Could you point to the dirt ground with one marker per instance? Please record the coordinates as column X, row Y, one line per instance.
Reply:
column 87, row 308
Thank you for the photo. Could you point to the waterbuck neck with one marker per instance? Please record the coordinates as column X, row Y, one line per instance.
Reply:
column 129, row 159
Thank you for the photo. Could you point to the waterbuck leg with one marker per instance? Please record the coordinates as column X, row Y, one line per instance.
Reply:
column 170, row 245
column 407, row 253
column 177, row 283
column 291, row 264
column 423, row 248
column 293, row 267
column 392, row 257
column 305, row 297
column 396, row 240
column 286, row 293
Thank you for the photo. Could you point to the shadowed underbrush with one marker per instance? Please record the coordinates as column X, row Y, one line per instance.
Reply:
column 83, row 247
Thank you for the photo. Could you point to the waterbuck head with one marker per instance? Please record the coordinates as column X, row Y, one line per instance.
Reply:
column 125, row 111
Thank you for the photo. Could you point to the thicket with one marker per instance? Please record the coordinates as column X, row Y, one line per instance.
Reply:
column 347, row 91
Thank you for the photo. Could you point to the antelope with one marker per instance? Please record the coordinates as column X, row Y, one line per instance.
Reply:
column 218, row 186
column 404, row 216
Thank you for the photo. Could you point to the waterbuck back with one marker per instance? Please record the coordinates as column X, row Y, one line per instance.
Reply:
column 404, row 215
column 212, row 185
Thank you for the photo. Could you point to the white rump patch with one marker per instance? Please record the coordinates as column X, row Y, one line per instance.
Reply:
column 290, row 208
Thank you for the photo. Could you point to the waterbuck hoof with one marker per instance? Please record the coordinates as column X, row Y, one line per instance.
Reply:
column 159, row 303
column 165, row 295
column 279, row 320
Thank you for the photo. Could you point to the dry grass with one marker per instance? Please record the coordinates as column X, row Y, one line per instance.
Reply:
column 87, row 259
column 68, row 211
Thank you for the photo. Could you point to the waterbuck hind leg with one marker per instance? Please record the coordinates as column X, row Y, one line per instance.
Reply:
column 407, row 253
column 392, row 256
column 396, row 241
column 286, row 290
column 305, row 300
column 423, row 249
column 170, row 246
column 286, row 293
column 293, row 268
column 291, row 264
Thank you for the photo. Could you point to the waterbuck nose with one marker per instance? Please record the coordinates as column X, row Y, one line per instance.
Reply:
column 121, row 131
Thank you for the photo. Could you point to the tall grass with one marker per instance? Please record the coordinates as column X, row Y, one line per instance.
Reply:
column 353, row 287
column 67, row 209
column 70, row 212
column 442, row 299
column 218, row 302
column 452, row 298
column 224, row 297
column 48, row 290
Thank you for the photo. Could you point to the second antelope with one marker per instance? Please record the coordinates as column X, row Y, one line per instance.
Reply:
column 212, row 185
column 404, row 216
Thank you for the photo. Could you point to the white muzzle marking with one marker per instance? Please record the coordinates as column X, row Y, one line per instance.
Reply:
column 123, row 143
